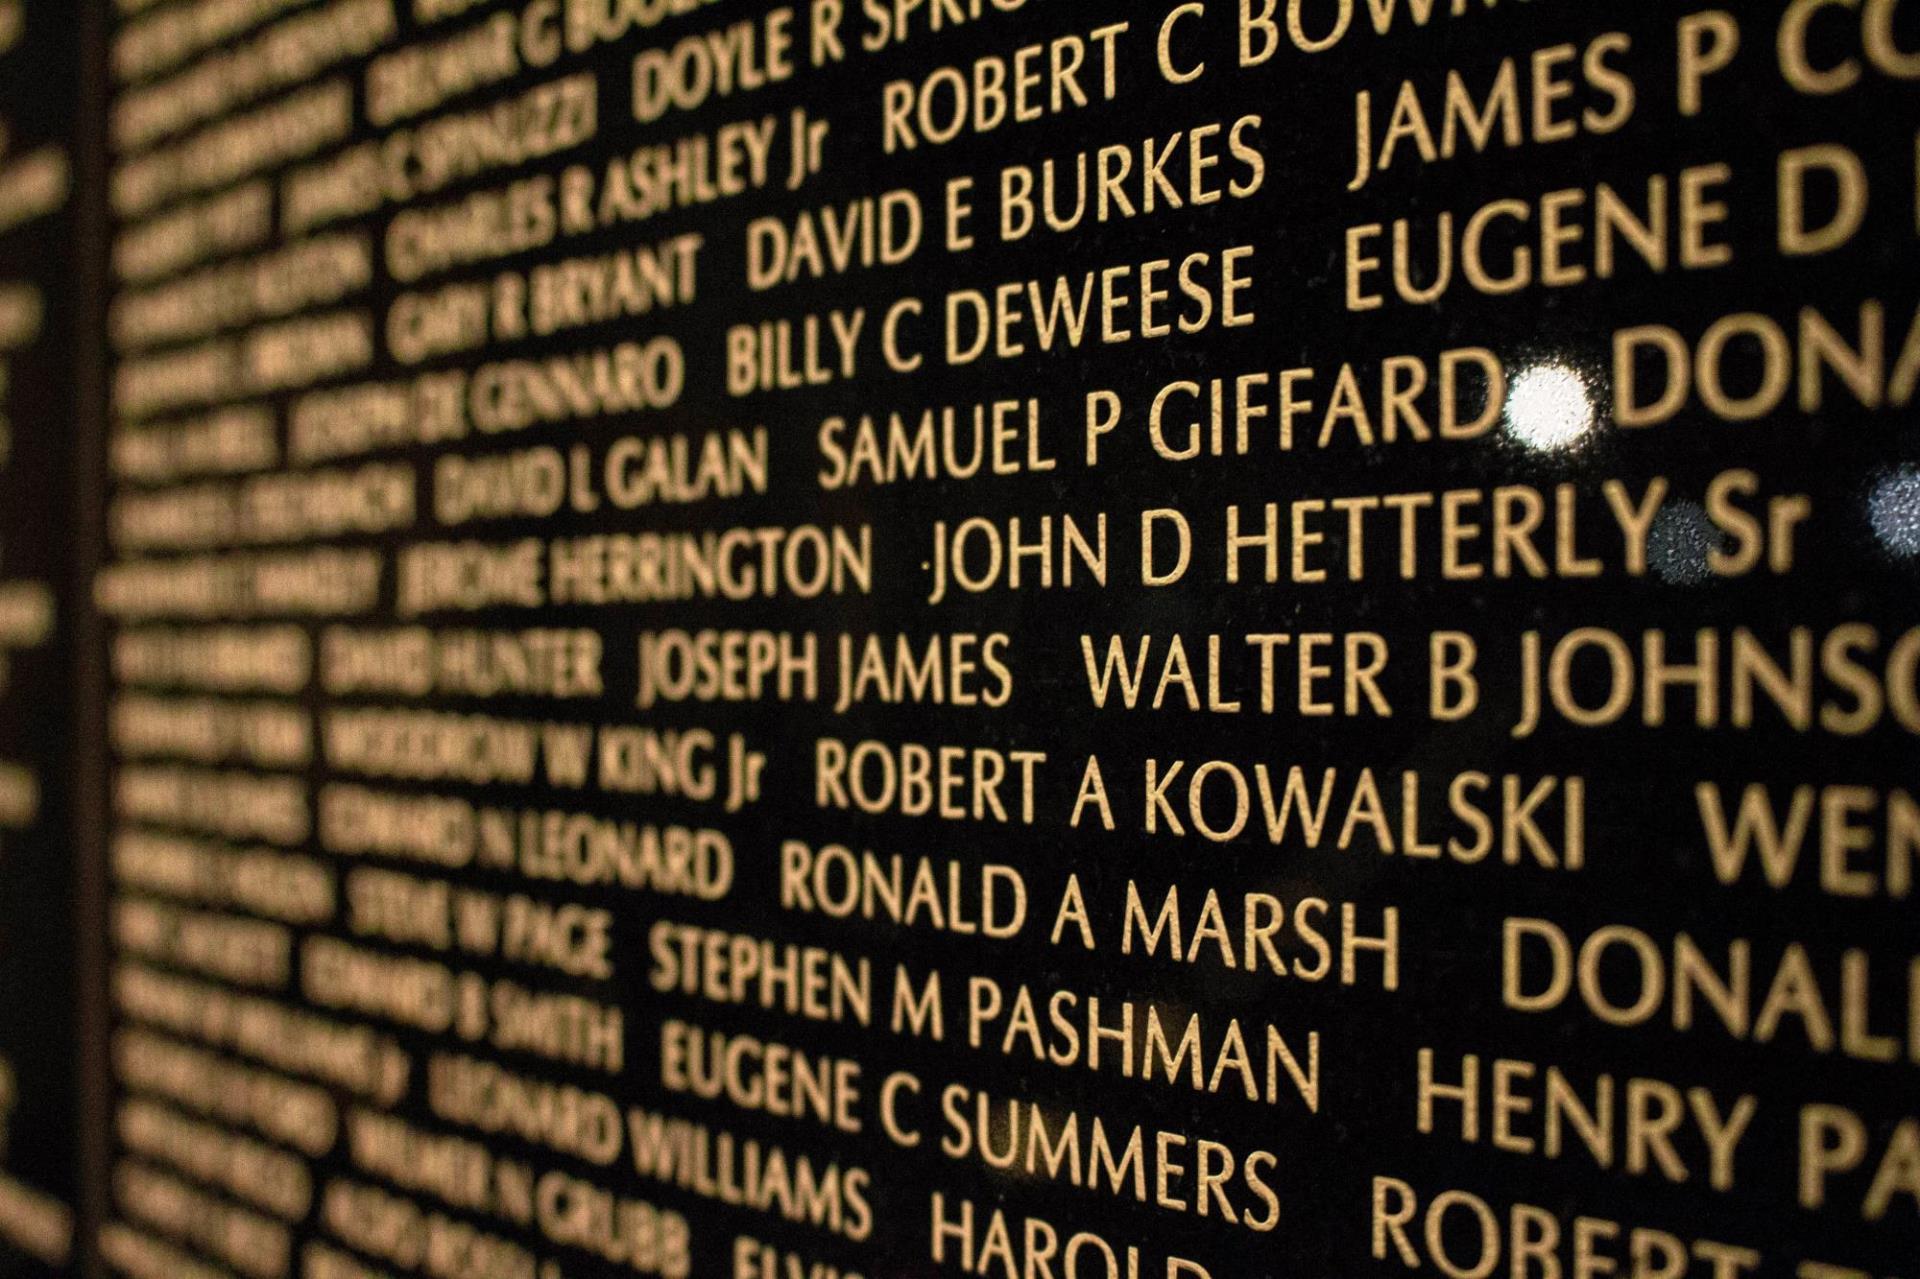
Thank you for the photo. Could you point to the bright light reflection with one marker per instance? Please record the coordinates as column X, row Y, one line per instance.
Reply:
column 1549, row 407
column 1893, row 508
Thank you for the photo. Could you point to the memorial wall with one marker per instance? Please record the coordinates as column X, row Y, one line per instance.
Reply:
column 42, row 586
column 1035, row 639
